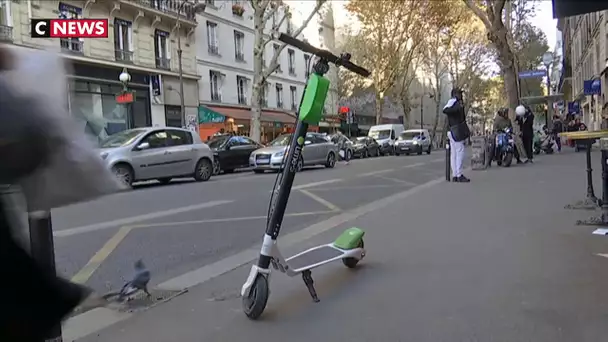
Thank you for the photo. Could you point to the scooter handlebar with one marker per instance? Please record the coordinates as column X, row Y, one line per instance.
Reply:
column 342, row 60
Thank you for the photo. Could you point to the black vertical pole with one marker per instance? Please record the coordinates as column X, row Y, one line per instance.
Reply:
column 448, row 167
column 604, row 204
column 590, row 193
column 421, row 112
column 42, row 251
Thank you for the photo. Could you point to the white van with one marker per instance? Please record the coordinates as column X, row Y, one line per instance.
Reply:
column 386, row 135
column 413, row 141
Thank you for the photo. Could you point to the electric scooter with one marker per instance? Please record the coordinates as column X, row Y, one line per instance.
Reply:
column 349, row 246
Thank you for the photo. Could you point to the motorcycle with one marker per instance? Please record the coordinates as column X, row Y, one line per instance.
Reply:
column 504, row 149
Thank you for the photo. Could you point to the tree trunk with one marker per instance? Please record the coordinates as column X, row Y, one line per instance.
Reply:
column 255, row 130
column 507, row 61
column 379, row 105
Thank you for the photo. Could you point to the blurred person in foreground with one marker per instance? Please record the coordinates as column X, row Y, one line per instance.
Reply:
column 458, row 134
column 35, row 300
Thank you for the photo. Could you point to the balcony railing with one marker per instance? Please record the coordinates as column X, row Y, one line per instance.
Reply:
column 163, row 63
column 216, row 97
column 169, row 7
column 242, row 100
column 279, row 104
column 214, row 50
column 6, row 33
column 239, row 56
column 123, row 55
column 292, row 71
column 72, row 45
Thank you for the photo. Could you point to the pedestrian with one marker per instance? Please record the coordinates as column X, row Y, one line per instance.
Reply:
column 458, row 133
column 525, row 120
column 340, row 140
column 558, row 127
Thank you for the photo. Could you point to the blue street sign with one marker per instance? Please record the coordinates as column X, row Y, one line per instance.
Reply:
column 574, row 108
column 532, row 73
column 592, row 87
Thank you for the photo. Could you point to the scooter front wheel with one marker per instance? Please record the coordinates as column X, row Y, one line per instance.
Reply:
column 255, row 303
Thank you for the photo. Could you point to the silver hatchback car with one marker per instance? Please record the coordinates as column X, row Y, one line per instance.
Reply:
column 157, row 153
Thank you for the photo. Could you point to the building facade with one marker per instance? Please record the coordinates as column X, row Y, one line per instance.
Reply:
column 142, row 41
column 224, row 56
column 585, row 51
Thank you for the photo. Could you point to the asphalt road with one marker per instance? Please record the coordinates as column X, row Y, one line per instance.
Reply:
column 186, row 225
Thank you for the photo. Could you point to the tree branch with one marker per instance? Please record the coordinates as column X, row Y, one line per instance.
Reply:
column 274, row 61
column 270, row 13
column 478, row 12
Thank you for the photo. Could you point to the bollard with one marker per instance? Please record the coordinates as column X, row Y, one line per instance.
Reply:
column 43, row 251
column 448, row 167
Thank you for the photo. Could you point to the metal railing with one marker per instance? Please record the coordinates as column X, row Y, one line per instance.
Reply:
column 169, row 7
column 123, row 55
column 72, row 45
column 292, row 71
column 213, row 49
column 6, row 33
column 242, row 100
column 163, row 63
column 279, row 104
column 239, row 56
column 216, row 97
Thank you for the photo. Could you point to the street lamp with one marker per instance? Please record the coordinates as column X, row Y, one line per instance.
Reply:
column 547, row 61
column 124, row 78
column 197, row 8
column 126, row 97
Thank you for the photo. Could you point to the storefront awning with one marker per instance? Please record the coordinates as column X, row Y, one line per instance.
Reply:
column 245, row 114
column 208, row 115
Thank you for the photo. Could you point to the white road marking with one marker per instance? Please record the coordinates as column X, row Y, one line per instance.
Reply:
column 413, row 165
column 321, row 200
column 373, row 173
column 396, row 180
column 437, row 160
column 228, row 264
column 602, row 255
column 310, row 185
column 354, row 187
column 138, row 218
column 225, row 219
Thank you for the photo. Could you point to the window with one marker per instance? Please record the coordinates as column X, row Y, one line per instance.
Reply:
column 239, row 43
column 306, row 65
column 264, row 96
column 279, row 90
column 177, row 137
column 215, row 84
column 157, row 139
column 123, row 40
column 291, row 63
column 293, row 93
column 241, row 88
column 162, row 49
column 212, row 40
column 173, row 116
column 275, row 48
column 68, row 12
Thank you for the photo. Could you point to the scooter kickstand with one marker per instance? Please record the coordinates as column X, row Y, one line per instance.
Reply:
column 306, row 276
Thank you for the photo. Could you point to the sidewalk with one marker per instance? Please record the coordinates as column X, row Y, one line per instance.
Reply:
column 498, row 259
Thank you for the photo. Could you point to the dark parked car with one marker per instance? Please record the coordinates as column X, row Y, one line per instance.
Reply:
column 231, row 152
column 364, row 147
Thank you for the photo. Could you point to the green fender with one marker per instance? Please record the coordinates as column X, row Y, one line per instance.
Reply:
column 350, row 238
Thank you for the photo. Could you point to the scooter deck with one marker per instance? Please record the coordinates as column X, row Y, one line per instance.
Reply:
column 314, row 256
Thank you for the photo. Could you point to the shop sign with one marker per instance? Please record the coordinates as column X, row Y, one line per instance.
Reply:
column 206, row 115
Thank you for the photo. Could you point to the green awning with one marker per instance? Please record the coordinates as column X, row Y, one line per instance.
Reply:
column 206, row 115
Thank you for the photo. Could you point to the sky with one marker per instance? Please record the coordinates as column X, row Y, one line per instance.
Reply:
column 544, row 20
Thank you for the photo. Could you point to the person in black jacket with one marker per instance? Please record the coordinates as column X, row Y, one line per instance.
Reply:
column 525, row 120
column 558, row 127
column 454, row 110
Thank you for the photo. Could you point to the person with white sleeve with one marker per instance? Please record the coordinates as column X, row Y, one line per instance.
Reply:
column 458, row 133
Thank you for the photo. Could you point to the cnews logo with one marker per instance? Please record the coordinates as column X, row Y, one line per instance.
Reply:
column 69, row 28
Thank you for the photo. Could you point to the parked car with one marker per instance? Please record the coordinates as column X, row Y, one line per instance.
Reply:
column 413, row 141
column 386, row 135
column 349, row 149
column 231, row 152
column 365, row 147
column 157, row 153
column 317, row 150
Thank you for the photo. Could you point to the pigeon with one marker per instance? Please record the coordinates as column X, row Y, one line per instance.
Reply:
column 138, row 283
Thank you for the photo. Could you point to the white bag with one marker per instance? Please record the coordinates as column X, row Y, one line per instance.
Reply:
column 341, row 153
column 75, row 172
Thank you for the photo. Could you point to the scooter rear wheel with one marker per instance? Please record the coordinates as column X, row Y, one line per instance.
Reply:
column 352, row 262
column 255, row 303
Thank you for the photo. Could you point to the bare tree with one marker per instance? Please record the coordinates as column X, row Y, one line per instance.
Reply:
column 263, row 12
